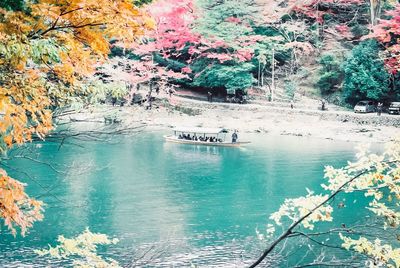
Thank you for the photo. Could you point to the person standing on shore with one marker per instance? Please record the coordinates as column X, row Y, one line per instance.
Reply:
column 291, row 104
column 234, row 136
column 209, row 96
column 379, row 108
column 323, row 103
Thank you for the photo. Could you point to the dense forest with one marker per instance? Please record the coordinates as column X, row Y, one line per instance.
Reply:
column 343, row 50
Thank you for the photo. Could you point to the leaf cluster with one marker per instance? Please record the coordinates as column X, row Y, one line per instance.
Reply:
column 330, row 74
column 365, row 76
column 46, row 55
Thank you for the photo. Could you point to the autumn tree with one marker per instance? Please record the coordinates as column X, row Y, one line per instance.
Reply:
column 46, row 52
column 369, row 243
column 387, row 33
column 213, row 43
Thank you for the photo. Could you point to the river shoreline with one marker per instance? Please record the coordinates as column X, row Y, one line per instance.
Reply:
column 249, row 118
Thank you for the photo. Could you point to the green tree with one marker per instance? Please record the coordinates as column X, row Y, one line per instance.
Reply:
column 226, row 20
column 16, row 5
column 140, row 3
column 330, row 74
column 365, row 76
column 232, row 77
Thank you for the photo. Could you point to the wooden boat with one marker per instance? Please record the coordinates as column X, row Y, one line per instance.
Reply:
column 201, row 136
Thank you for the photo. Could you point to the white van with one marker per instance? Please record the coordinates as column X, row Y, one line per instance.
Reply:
column 365, row 107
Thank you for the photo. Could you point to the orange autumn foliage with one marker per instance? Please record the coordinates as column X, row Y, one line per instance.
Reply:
column 16, row 208
column 45, row 55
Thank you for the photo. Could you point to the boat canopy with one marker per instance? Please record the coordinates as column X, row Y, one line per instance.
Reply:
column 201, row 130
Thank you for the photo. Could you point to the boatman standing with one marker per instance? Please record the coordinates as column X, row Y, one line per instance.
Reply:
column 234, row 136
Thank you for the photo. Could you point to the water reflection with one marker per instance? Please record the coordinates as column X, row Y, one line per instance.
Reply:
column 189, row 153
column 204, row 201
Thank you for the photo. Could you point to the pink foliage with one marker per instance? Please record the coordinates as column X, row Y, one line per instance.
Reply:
column 343, row 29
column 233, row 20
column 186, row 70
column 173, row 33
column 174, row 19
column 221, row 57
column 193, row 50
column 387, row 32
column 244, row 54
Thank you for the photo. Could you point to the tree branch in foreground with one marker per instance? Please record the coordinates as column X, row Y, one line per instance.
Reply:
column 289, row 231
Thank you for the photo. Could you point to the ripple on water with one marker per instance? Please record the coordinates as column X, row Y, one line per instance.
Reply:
column 205, row 203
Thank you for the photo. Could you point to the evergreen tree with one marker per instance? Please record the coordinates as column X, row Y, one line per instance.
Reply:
column 16, row 5
column 330, row 74
column 365, row 74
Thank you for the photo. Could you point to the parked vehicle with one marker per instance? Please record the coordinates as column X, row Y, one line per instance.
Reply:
column 238, row 97
column 234, row 99
column 394, row 108
column 365, row 107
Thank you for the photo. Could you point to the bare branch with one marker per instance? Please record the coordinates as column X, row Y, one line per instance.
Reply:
column 301, row 219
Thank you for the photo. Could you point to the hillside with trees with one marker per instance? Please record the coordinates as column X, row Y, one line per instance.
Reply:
column 293, row 47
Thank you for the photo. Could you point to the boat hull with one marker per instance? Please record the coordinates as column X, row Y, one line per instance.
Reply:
column 205, row 143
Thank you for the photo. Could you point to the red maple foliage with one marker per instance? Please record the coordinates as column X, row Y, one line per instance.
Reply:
column 387, row 32
column 174, row 20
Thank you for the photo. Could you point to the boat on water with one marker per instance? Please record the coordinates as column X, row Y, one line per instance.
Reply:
column 203, row 136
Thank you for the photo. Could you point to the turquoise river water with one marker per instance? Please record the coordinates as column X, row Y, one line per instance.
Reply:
column 196, row 205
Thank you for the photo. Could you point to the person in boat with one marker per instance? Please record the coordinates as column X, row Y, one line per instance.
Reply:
column 234, row 136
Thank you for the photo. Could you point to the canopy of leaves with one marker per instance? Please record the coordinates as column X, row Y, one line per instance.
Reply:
column 16, row 5
column 330, row 74
column 225, row 20
column 193, row 37
column 387, row 32
column 365, row 76
column 45, row 55
column 231, row 77
column 140, row 3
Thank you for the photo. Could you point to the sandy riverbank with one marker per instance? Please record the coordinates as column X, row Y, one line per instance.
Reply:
column 177, row 111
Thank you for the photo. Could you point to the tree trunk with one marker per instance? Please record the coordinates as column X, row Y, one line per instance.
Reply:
column 273, row 75
column 262, row 77
column 375, row 9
